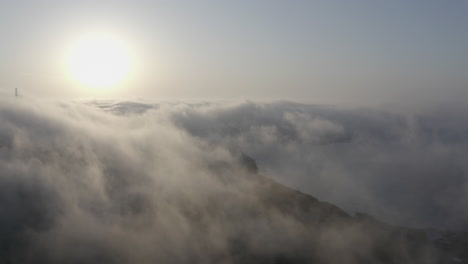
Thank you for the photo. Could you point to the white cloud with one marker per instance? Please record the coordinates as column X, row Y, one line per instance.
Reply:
column 133, row 182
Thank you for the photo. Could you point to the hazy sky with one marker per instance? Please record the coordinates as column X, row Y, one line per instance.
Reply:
column 321, row 51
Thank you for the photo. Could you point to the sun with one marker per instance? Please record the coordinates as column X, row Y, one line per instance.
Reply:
column 99, row 61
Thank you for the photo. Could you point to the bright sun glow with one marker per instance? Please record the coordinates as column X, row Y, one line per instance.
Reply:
column 99, row 62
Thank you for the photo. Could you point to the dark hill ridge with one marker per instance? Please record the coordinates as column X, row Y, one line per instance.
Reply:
column 334, row 236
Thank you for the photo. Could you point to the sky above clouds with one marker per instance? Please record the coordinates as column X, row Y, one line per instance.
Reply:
column 318, row 51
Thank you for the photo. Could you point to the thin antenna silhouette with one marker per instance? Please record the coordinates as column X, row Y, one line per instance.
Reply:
column 16, row 92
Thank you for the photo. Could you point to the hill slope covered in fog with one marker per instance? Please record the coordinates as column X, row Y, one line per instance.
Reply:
column 131, row 182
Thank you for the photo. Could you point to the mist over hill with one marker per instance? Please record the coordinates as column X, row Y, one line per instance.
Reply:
column 204, row 182
column 405, row 167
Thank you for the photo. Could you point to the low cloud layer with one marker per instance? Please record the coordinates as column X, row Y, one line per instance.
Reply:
column 406, row 168
column 135, row 182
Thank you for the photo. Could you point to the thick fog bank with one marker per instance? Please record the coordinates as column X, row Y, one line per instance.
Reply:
column 134, row 182
column 407, row 168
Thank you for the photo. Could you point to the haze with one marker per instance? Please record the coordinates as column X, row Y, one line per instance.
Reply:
column 318, row 51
